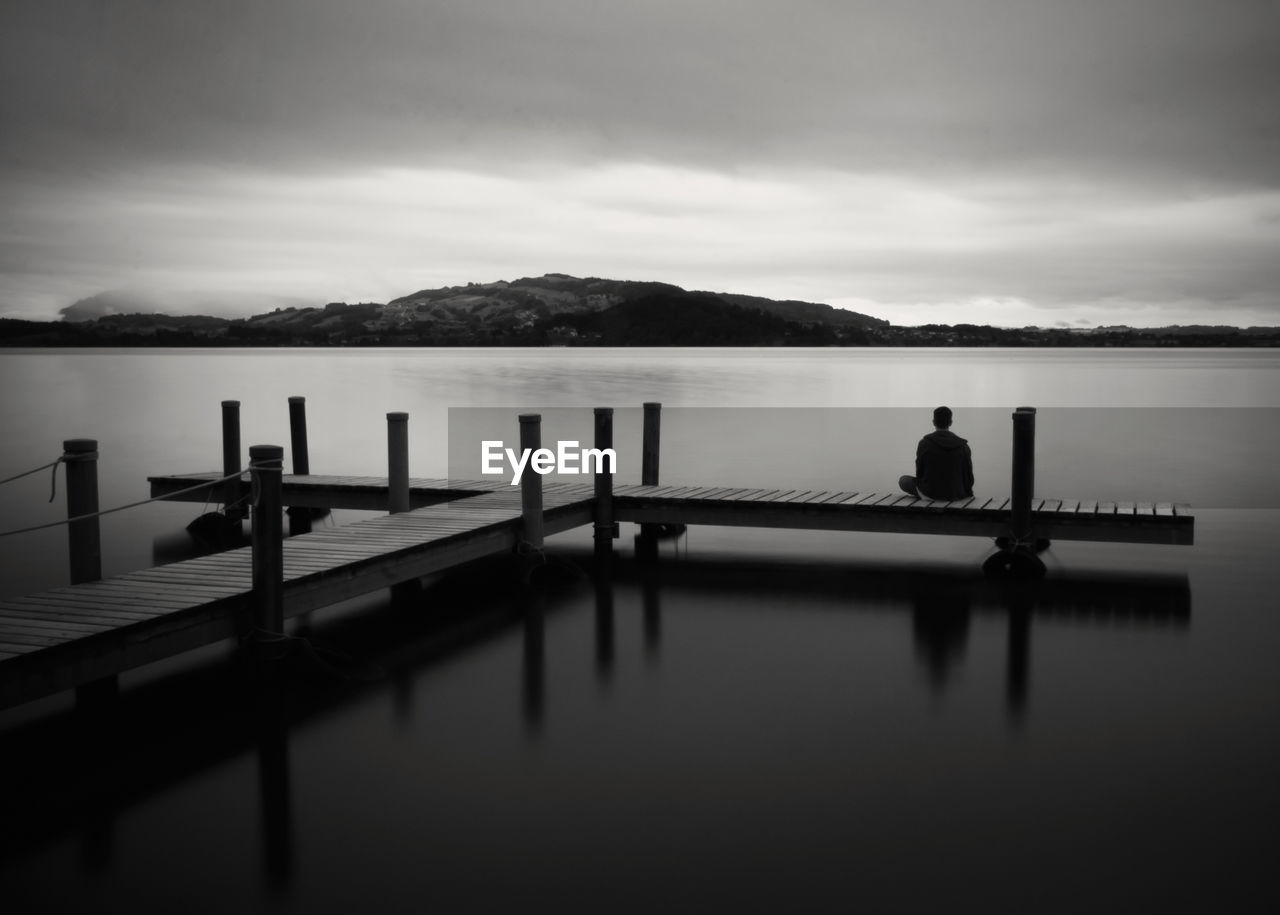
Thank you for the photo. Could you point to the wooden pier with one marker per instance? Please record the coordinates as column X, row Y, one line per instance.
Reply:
column 67, row 637
column 89, row 632
column 1054, row 519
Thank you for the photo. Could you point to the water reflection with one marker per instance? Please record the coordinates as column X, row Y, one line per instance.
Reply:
column 82, row 770
column 272, row 725
column 940, row 629
column 534, row 675
column 1018, row 666
column 604, row 628
column 651, row 597
column 941, row 599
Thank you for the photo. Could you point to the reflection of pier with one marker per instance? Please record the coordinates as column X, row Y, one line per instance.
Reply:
column 942, row 601
column 80, row 769
column 204, row 708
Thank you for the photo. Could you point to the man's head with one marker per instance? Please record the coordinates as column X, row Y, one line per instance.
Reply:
column 942, row 418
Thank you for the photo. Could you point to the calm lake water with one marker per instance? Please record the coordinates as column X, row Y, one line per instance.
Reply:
column 776, row 720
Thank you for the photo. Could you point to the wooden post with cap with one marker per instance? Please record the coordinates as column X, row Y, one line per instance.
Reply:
column 531, row 483
column 1017, row 557
column 605, row 527
column 84, row 545
column 647, row 540
column 298, row 435
column 84, row 538
column 1024, row 472
column 397, row 462
column 265, row 468
column 232, row 490
column 299, row 515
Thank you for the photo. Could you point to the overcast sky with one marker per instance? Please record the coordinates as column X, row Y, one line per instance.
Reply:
column 996, row 161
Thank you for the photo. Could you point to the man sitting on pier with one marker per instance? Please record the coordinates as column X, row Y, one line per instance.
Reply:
column 944, row 464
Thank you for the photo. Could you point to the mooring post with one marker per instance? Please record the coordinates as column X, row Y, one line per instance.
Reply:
column 1024, row 472
column 299, row 515
column 231, row 489
column 531, row 483
column 84, row 541
column 1016, row 556
column 84, row 545
column 605, row 528
column 647, row 539
column 265, row 468
column 649, row 445
column 397, row 462
column 298, row 435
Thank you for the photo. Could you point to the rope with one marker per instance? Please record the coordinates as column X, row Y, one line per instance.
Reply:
column 120, row 508
column 525, row 548
column 53, row 464
column 30, row 472
column 281, row 646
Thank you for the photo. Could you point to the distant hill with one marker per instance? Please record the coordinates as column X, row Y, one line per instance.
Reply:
column 676, row 317
column 805, row 312
column 525, row 302
column 531, row 311
column 561, row 310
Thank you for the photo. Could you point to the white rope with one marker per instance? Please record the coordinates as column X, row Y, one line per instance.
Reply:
column 120, row 508
column 37, row 470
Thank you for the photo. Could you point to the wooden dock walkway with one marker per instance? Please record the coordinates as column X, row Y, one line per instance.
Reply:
column 66, row 637
column 329, row 491
column 95, row 629
column 1055, row 519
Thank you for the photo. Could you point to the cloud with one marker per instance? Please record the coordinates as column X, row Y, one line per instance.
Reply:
column 891, row 245
column 997, row 158
column 1142, row 86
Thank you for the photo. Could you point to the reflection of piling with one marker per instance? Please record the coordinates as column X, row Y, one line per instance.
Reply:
column 265, row 466
column 604, row 523
column 652, row 599
column 275, row 793
column 397, row 462
column 647, row 540
column 534, row 677
column 231, row 489
column 604, row 627
column 1017, row 668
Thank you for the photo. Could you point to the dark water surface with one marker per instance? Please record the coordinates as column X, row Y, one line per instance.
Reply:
column 767, row 720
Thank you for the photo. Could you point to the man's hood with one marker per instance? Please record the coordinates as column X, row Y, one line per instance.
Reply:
column 945, row 438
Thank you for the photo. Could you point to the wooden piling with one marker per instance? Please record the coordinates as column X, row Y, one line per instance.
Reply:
column 1024, row 472
column 605, row 528
column 266, row 467
column 84, row 541
column 397, row 462
column 531, row 482
column 647, row 539
column 84, row 549
column 300, row 517
column 298, row 435
column 231, row 489
column 649, row 445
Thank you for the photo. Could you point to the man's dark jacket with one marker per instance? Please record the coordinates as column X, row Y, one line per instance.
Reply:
column 944, row 466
